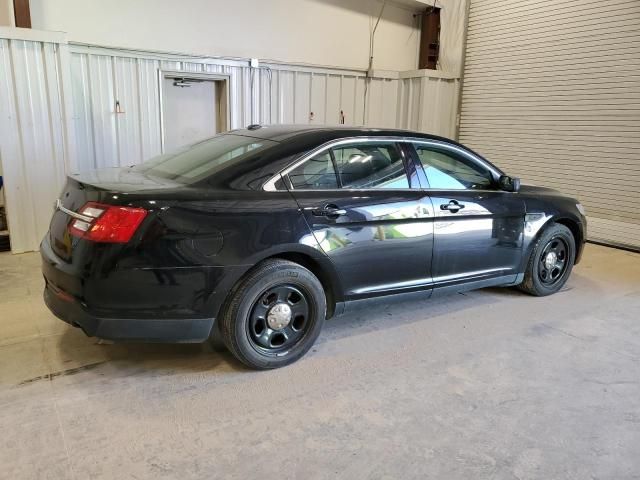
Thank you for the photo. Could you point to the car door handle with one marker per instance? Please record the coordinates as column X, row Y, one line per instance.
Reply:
column 452, row 206
column 329, row 211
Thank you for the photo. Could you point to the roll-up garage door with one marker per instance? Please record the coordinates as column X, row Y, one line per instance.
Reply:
column 551, row 93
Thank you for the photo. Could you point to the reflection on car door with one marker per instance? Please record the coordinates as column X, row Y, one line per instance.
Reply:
column 478, row 231
column 376, row 225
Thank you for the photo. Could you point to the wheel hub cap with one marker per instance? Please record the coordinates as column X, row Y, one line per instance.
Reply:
column 279, row 316
column 550, row 260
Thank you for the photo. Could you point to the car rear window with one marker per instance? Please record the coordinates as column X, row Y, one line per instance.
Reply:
column 200, row 160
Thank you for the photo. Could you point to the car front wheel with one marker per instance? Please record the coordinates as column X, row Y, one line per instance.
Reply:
column 274, row 315
column 551, row 261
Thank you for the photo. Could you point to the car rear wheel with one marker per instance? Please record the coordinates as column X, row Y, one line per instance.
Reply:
column 274, row 315
column 551, row 261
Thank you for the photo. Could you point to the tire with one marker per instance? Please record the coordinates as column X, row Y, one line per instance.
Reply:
column 543, row 277
column 258, row 334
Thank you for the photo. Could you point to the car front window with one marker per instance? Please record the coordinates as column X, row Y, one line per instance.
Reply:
column 446, row 172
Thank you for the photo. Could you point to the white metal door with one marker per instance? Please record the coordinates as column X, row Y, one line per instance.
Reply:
column 551, row 92
column 190, row 111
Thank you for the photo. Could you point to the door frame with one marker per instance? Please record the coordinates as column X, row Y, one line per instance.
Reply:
column 223, row 96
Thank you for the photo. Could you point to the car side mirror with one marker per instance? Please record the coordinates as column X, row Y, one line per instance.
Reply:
column 509, row 184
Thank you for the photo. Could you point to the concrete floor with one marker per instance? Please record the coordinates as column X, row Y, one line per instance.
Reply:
column 491, row 384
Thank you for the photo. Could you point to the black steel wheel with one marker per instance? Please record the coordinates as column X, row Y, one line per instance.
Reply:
column 274, row 315
column 551, row 261
column 279, row 319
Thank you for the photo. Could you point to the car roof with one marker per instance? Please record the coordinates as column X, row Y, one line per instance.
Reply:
column 280, row 133
column 289, row 142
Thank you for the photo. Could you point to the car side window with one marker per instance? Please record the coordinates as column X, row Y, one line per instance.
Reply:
column 317, row 173
column 447, row 172
column 370, row 165
column 363, row 165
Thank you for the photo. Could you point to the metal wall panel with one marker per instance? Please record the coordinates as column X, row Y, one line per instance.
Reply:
column 102, row 107
column 82, row 121
column 348, row 99
column 274, row 93
column 333, row 100
column 553, row 95
column 359, row 108
column 318, row 99
column 128, row 124
column 374, row 112
column 33, row 146
column 266, row 89
column 301, row 97
column 428, row 104
column 285, row 96
column 149, row 110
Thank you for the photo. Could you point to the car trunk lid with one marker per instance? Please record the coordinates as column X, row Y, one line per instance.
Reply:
column 105, row 186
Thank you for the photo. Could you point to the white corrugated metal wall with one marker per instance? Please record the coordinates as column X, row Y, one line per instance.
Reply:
column 551, row 92
column 290, row 94
column 428, row 102
column 273, row 94
column 35, row 143
column 57, row 104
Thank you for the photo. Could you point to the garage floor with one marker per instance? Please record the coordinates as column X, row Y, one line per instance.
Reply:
column 493, row 383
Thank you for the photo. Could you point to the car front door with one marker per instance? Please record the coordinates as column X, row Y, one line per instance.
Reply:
column 478, row 230
column 362, row 202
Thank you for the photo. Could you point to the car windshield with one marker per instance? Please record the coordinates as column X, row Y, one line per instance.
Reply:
column 200, row 160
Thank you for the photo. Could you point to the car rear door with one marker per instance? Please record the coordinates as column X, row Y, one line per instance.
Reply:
column 478, row 229
column 362, row 202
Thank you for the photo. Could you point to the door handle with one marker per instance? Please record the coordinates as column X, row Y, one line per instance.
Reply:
column 452, row 206
column 329, row 211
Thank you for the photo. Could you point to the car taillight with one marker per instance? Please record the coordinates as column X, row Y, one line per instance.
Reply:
column 107, row 223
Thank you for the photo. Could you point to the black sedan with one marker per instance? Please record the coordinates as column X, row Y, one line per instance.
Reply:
column 257, row 236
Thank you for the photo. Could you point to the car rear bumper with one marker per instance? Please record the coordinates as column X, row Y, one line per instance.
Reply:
column 126, row 329
column 63, row 296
